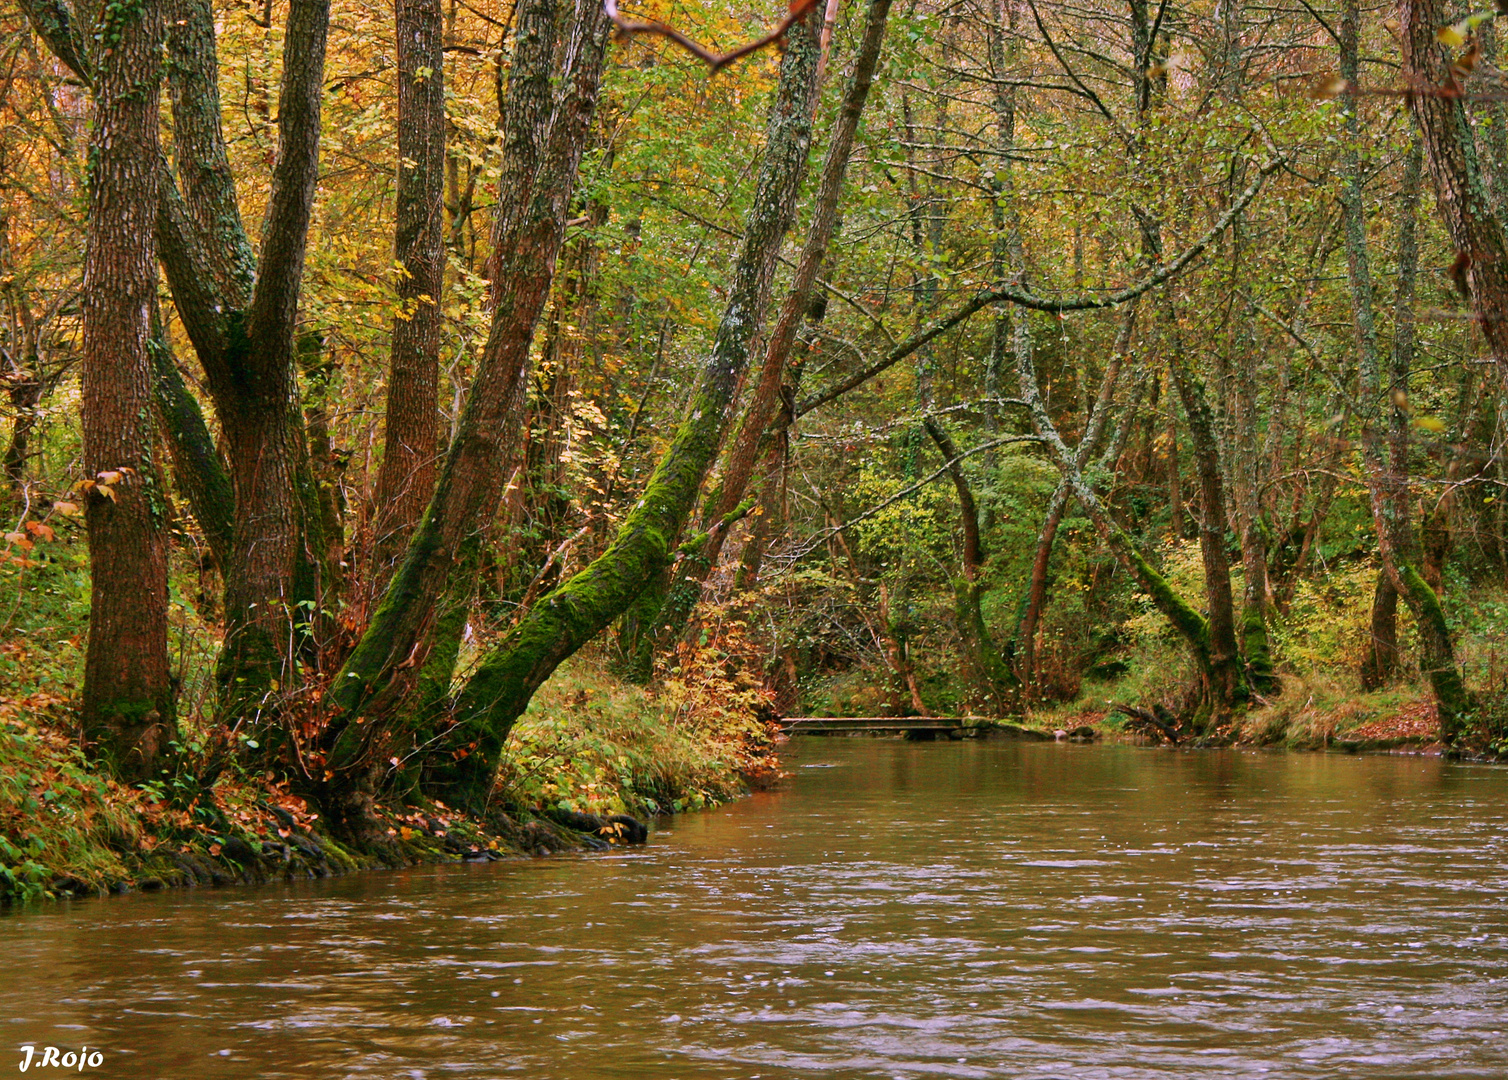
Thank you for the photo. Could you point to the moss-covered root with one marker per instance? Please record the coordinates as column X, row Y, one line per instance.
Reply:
column 1258, row 650
column 1437, row 657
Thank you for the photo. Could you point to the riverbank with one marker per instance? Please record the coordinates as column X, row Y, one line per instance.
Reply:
column 1308, row 714
column 589, row 748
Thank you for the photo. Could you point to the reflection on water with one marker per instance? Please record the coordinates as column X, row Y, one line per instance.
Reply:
column 914, row 910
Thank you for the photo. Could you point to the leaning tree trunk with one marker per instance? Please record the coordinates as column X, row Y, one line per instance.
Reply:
column 127, row 707
column 571, row 615
column 983, row 662
column 744, row 453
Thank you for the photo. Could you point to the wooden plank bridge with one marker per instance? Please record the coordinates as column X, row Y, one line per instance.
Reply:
column 922, row 726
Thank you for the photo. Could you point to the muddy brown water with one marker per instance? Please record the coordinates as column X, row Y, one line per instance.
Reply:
column 896, row 910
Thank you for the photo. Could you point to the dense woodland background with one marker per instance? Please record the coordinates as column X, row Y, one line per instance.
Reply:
column 1134, row 361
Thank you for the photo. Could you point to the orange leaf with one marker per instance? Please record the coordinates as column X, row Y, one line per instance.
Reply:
column 109, row 476
column 106, row 490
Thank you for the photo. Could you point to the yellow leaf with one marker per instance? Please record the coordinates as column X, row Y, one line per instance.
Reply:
column 66, row 508
column 106, row 490
column 1430, row 423
column 109, row 476
column 1455, row 34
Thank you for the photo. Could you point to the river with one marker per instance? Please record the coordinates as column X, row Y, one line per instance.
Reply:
column 894, row 910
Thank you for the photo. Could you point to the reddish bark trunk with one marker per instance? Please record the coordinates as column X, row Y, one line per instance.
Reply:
column 127, row 708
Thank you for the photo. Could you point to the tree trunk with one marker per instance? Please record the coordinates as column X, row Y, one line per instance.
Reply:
column 744, row 453
column 1462, row 200
column 1024, row 641
column 1461, row 186
column 983, row 663
column 197, row 467
column 1224, row 685
column 1381, row 663
column 546, row 135
column 407, row 475
column 239, row 313
column 574, row 613
column 127, row 707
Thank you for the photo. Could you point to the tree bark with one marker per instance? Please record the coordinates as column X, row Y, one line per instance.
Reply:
column 406, row 477
column 739, row 462
column 1462, row 201
column 546, row 135
column 127, row 706
column 272, row 577
column 1461, row 186
column 572, row 614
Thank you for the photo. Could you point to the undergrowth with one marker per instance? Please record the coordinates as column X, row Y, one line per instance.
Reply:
column 594, row 744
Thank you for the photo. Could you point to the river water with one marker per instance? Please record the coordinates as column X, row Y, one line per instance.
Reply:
column 895, row 910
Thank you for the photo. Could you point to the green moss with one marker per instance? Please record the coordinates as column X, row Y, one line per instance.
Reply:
column 1258, row 651
column 1438, row 661
column 1193, row 626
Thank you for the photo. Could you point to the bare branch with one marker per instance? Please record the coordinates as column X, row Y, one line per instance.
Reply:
column 715, row 61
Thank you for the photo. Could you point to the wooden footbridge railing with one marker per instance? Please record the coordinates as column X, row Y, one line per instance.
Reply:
column 836, row 725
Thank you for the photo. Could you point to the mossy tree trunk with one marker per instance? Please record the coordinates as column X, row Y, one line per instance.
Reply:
column 743, row 454
column 572, row 614
column 983, row 663
column 1461, row 186
column 1225, row 684
column 1382, row 657
column 547, row 115
column 197, row 465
